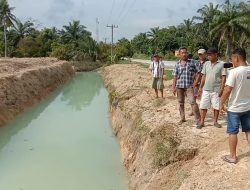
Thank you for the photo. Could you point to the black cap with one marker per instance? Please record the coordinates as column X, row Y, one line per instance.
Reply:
column 212, row 50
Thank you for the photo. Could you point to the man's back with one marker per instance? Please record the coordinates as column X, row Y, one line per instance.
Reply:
column 239, row 79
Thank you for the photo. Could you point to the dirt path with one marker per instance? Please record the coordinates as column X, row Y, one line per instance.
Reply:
column 158, row 153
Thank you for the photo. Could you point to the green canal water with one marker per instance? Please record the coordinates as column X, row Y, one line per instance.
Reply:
column 63, row 143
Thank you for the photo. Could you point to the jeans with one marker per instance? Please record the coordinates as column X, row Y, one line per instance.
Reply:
column 235, row 119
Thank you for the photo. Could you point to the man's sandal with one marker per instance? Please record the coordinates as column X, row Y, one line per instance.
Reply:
column 227, row 159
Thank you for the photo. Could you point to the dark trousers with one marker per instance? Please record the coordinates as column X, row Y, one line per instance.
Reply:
column 188, row 93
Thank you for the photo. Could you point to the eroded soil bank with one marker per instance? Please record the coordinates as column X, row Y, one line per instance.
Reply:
column 159, row 154
column 24, row 82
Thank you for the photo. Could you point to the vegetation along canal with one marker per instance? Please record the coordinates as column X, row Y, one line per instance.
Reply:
column 63, row 143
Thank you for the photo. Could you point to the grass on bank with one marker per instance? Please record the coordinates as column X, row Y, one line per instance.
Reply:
column 169, row 56
column 167, row 72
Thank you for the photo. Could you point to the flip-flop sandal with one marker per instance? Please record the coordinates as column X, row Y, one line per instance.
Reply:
column 228, row 160
column 217, row 125
column 199, row 126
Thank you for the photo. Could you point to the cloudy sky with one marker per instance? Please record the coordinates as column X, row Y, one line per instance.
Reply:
column 131, row 16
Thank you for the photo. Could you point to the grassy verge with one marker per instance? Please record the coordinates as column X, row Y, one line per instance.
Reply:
column 123, row 62
column 141, row 56
column 168, row 74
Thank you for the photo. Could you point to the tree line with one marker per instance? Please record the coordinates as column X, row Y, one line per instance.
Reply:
column 224, row 26
column 23, row 39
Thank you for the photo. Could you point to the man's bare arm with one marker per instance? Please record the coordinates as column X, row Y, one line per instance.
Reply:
column 197, row 79
column 226, row 93
column 174, row 85
column 223, row 81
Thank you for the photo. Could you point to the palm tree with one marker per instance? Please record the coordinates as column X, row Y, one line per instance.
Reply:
column 207, row 14
column 140, row 43
column 23, row 29
column 74, row 31
column 154, row 37
column 229, row 23
column 79, row 39
column 205, row 20
column 7, row 19
column 187, row 28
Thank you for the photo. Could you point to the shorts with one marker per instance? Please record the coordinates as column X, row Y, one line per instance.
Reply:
column 158, row 83
column 209, row 98
column 234, row 120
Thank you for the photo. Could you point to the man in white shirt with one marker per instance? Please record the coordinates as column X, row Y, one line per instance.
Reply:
column 237, row 90
column 157, row 69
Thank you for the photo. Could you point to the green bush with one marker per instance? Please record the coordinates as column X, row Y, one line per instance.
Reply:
column 61, row 51
column 168, row 74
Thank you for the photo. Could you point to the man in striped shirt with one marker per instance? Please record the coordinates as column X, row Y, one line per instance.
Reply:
column 157, row 69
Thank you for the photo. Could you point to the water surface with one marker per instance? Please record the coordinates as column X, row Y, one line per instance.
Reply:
column 63, row 143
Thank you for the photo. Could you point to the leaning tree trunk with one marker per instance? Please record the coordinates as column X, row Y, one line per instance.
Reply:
column 5, row 40
column 229, row 46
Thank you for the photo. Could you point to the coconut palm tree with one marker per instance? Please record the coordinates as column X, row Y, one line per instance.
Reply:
column 7, row 19
column 203, row 26
column 140, row 43
column 154, row 37
column 230, row 22
column 207, row 14
column 74, row 31
column 22, row 29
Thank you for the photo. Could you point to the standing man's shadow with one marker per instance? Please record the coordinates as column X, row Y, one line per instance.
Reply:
column 247, row 154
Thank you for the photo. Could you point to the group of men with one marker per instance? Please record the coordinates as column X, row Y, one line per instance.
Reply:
column 205, row 77
column 208, row 79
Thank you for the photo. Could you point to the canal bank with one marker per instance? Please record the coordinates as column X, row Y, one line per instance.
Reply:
column 158, row 153
column 26, row 81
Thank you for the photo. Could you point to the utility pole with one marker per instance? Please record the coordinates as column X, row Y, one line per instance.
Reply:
column 112, row 39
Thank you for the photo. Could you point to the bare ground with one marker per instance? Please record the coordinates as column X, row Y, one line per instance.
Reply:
column 158, row 153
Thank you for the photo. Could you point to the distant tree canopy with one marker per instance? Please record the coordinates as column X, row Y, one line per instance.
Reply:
column 23, row 39
column 225, row 26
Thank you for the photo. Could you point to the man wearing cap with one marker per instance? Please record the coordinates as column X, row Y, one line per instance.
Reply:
column 157, row 69
column 184, row 72
column 202, row 57
column 212, row 85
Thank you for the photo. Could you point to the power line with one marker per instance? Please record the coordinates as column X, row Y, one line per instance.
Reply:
column 110, row 14
column 111, row 11
column 112, row 39
column 123, row 8
column 125, row 15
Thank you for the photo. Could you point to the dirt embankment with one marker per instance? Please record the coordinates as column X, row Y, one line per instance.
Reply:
column 24, row 82
column 157, row 153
